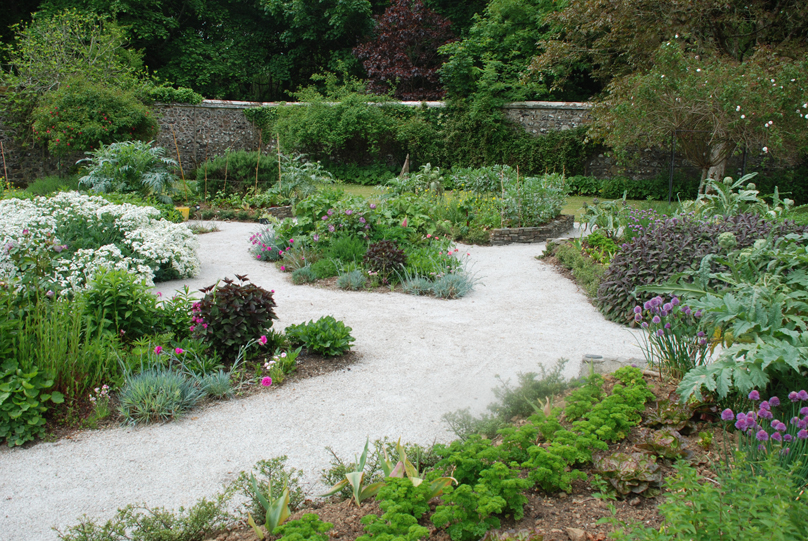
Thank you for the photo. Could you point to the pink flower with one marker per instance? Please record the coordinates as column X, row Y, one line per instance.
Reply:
column 283, row 268
column 429, row 236
column 158, row 350
column 178, row 351
column 191, row 328
column 267, row 381
column 262, row 340
column 404, row 223
column 204, row 325
column 291, row 241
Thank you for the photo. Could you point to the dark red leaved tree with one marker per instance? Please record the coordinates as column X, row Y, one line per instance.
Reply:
column 404, row 53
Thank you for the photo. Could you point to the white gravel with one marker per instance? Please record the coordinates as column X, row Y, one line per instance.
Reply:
column 420, row 358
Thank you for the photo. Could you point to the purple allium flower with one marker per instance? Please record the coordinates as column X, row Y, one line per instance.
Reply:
column 331, row 228
column 700, row 334
column 675, row 301
column 754, row 395
column 765, row 414
column 740, row 415
column 793, row 396
column 774, row 401
column 637, row 318
column 698, row 313
column 647, row 305
column 644, row 324
column 727, row 415
column 762, row 447
column 803, row 423
column 638, row 310
column 741, row 424
column 667, row 325
column 330, row 212
column 795, row 420
column 777, row 436
column 765, row 405
column 667, row 307
column 686, row 309
column 802, row 395
column 373, row 205
column 785, row 451
column 348, row 212
column 762, row 435
column 803, row 434
column 325, row 217
column 361, row 219
column 781, row 426
column 664, row 313
column 702, row 342
column 804, row 411
column 367, row 226
column 656, row 319
column 788, row 437
column 660, row 332
column 657, row 301
column 49, row 293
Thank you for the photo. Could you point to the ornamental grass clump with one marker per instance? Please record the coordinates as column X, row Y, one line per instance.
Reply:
column 157, row 394
column 673, row 342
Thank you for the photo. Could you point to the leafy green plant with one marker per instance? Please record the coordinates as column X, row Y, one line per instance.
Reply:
column 271, row 477
column 587, row 272
column 201, row 521
column 403, row 504
column 232, row 314
column 532, row 201
column 730, row 197
column 130, row 166
column 324, row 268
column 119, row 302
column 309, row 527
column 385, row 258
column 326, row 336
column 606, row 216
column 83, row 115
column 357, row 480
column 347, row 248
column 276, row 508
column 22, row 402
column 235, row 172
column 740, row 505
column 157, row 394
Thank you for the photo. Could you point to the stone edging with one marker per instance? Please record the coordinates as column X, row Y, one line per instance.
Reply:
column 556, row 228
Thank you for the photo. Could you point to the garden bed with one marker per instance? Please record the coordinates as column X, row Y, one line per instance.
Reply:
column 557, row 227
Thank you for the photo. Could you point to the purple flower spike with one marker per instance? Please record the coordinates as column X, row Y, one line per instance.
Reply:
column 765, row 405
column 802, row 395
column 754, row 395
column 803, row 434
column 727, row 415
column 741, row 424
column 762, row 435
column 774, row 401
column 655, row 319
column 777, row 437
column 638, row 310
column 793, row 396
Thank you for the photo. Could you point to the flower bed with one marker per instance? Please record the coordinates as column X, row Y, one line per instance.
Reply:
column 69, row 237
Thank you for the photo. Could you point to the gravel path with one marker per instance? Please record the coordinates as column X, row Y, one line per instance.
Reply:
column 420, row 358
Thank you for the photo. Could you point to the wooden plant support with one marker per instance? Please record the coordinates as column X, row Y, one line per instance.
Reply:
column 179, row 160
column 226, row 160
column 206, row 172
column 5, row 171
column 258, row 162
column 280, row 178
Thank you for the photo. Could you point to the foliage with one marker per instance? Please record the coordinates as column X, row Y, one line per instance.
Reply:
column 82, row 115
column 119, row 302
column 669, row 246
column 385, row 258
column 609, row 217
column 232, row 314
column 366, row 175
column 132, row 166
column 739, row 505
column 304, row 275
column 353, row 280
column 630, row 473
column 267, row 245
column 357, row 481
column 139, row 522
column 276, row 508
column 169, row 94
column 309, row 527
column 587, row 272
column 491, row 59
column 215, row 384
column 454, row 285
column 673, row 342
column 237, row 171
column 157, row 394
column 403, row 57
column 403, row 504
column 326, row 336
column 754, row 299
column 730, row 197
column 22, row 402
column 533, row 201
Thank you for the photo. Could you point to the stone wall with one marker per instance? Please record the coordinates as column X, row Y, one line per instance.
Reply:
column 213, row 126
column 556, row 228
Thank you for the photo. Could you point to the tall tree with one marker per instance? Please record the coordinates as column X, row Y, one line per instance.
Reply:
column 404, row 52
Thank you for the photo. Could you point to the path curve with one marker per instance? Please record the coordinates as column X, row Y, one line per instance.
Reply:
column 420, row 358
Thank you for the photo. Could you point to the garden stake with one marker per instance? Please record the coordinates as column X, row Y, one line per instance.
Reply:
column 206, row 171
column 257, row 163
column 226, row 159
column 501, row 205
column 280, row 180
column 521, row 202
column 179, row 160
column 3, row 152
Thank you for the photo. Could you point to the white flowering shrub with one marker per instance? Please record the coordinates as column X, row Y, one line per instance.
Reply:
column 66, row 239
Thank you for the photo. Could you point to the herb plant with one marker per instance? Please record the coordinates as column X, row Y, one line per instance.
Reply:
column 326, row 336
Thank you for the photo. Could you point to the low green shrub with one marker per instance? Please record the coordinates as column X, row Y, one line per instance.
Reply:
column 235, row 172
column 49, row 185
column 119, row 302
column 347, row 249
column 309, row 527
column 22, row 402
column 587, row 272
column 326, row 336
column 403, row 505
column 157, row 394
column 325, row 268
column 271, row 477
column 231, row 315
column 353, row 280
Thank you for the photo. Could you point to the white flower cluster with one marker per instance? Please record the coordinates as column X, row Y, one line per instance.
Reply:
column 45, row 222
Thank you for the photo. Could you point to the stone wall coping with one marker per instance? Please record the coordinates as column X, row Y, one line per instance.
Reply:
column 552, row 105
column 226, row 104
